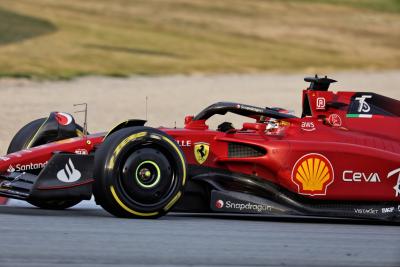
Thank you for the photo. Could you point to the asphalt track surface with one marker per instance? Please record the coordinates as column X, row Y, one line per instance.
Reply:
column 91, row 237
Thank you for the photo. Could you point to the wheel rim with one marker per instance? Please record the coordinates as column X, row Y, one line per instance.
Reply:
column 148, row 174
column 154, row 176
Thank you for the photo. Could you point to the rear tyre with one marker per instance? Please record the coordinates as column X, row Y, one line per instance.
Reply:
column 24, row 135
column 20, row 142
column 140, row 173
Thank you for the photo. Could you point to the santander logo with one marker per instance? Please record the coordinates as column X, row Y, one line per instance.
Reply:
column 10, row 169
column 69, row 174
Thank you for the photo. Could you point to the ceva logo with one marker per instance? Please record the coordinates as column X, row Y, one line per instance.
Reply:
column 352, row 176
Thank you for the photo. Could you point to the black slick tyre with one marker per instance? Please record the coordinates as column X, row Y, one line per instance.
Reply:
column 22, row 138
column 140, row 172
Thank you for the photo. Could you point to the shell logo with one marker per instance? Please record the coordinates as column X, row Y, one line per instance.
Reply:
column 312, row 174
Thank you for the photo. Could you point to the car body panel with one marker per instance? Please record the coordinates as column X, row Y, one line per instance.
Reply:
column 344, row 148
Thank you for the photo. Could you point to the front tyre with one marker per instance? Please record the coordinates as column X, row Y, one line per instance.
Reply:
column 140, row 173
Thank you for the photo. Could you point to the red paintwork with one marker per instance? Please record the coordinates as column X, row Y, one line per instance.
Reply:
column 42, row 154
column 359, row 149
column 66, row 186
column 3, row 200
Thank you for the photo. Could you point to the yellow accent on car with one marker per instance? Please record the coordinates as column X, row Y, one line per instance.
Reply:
column 180, row 156
column 173, row 201
column 122, row 145
column 29, row 145
column 313, row 173
column 141, row 214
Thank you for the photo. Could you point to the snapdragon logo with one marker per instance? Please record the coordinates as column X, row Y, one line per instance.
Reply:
column 219, row 204
column 26, row 167
column 248, row 207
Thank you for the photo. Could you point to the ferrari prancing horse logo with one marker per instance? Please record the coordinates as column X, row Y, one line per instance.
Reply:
column 201, row 151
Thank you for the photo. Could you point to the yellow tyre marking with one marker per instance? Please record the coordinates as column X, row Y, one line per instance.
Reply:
column 121, row 146
column 180, row 156
column 173, row 201
column 112, row 162
column 141, row 214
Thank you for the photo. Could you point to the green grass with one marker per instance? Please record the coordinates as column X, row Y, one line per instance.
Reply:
column 49, row 39
column 16, row 28
column 373, row 5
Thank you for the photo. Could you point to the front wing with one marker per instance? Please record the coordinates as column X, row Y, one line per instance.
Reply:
column 66, row 176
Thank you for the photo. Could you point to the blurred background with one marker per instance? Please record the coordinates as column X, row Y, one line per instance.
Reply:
column 49, row 39
column 183, row 55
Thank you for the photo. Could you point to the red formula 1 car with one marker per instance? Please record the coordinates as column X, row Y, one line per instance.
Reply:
column 340, row 159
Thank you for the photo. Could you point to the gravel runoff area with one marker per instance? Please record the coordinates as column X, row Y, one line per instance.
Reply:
column 170, row 98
